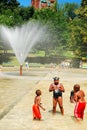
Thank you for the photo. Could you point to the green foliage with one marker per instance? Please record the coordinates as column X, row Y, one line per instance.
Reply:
column 11, row 13
column 44, row 15
column 8, row 4
column 26, row 13
column 66, row 26
column 56, row 25
column 69, row 10
column 79, row 30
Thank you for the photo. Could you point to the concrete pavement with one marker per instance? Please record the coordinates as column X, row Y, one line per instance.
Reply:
column 20, row 116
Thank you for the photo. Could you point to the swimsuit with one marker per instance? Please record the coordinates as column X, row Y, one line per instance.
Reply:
column 57, row 93
column 79, row 109
column 36, row 112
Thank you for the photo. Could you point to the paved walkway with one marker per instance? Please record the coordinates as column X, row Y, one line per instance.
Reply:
column 20, row 117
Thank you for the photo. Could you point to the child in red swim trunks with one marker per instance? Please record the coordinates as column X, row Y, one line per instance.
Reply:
column 37, row 105
column 80, row 104
column 79, row 110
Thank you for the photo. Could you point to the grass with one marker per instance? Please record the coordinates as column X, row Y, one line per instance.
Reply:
column 13, row 62
column 37, row 54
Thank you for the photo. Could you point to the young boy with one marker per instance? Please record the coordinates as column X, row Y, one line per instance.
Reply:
column 37, row 105
column 80, row 103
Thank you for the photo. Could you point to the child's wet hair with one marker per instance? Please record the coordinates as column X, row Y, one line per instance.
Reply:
column 38, row 92
column 76, row 87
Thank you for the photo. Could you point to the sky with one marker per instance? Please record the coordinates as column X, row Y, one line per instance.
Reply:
column 28, row 2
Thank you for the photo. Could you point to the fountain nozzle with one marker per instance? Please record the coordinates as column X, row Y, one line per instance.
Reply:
column 20, row 70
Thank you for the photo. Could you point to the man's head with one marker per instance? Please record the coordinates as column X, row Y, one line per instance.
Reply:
column 56, row 80
column 76, row 87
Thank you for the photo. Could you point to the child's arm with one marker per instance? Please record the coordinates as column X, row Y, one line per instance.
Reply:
column 39, row 103
column 42, row 107
column 75, row 97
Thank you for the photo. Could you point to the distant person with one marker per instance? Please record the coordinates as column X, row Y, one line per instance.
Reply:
column 27, row 65
column 80, row 64
column 57, row 89
column 79, row 98
column 37, row 105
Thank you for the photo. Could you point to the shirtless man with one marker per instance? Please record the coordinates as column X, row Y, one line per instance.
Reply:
column 80, row 104
column 57, row 89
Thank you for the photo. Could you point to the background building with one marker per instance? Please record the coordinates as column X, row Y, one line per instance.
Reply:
column 38, row 4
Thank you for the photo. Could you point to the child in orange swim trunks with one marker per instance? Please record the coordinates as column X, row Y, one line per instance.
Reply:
column 37, row 105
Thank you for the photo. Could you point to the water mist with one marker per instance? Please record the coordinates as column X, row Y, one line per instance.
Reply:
column 22, row 39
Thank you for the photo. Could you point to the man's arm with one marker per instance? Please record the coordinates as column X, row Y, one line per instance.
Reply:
column 51, row 88
column 61, row 88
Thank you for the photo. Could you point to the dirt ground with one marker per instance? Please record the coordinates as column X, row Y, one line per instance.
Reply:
column 17, row 95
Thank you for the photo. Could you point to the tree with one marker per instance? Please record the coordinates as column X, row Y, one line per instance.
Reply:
column 26, row 13
column 69, row 9
column 9, row 11
column 79, row 30
column 8, row 4
column 56, row 25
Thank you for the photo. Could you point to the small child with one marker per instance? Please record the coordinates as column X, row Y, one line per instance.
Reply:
column 80, row 105
column 37, row 105
column 77, row 96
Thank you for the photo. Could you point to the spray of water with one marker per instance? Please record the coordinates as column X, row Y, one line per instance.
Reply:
column 23, row 38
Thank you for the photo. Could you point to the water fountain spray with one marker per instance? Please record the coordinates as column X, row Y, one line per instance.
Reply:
column 22, row 39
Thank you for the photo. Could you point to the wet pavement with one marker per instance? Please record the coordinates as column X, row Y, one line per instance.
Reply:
column 17, row 95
